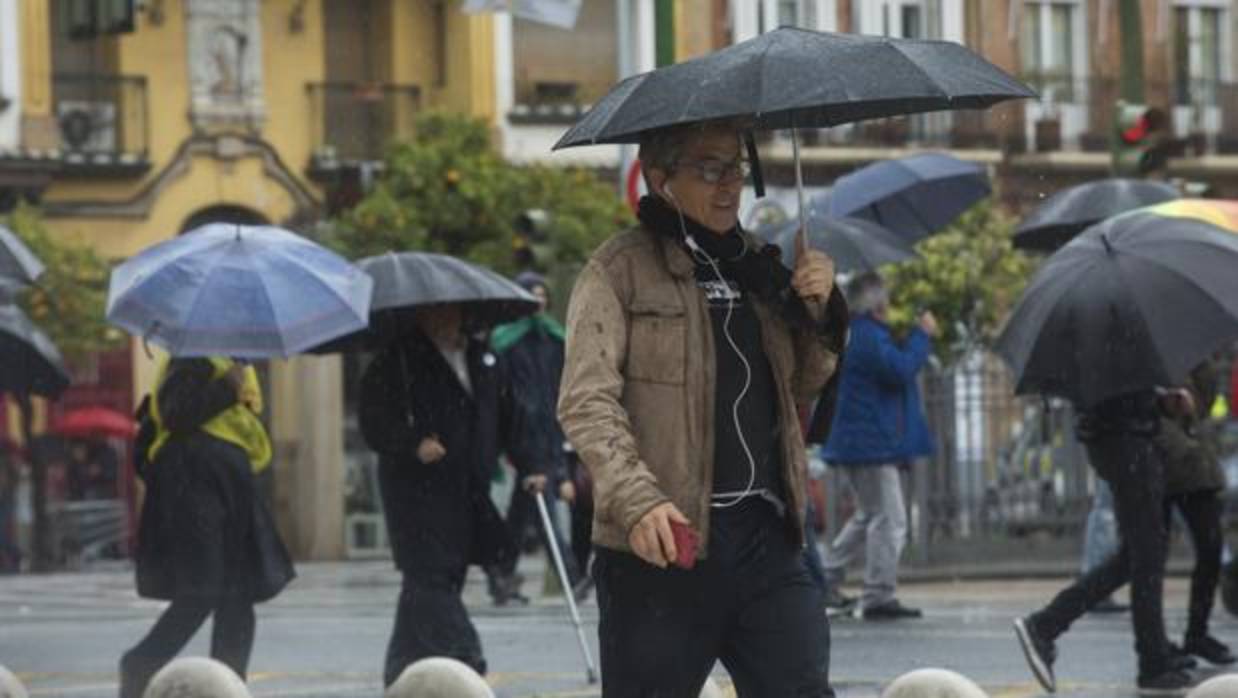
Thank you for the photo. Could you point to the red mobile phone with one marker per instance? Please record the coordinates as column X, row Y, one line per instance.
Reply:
column 686, row 540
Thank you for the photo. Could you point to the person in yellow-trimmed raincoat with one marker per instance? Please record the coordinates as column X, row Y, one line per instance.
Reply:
column 206, row 540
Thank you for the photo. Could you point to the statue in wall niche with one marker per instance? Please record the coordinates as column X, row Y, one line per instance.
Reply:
column 225, row 64
column 227, row 60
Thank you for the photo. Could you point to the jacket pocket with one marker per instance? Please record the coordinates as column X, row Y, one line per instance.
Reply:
column 657, row 344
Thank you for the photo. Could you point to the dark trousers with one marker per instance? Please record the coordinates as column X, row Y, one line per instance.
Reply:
column 751, row 605
column 431, row 621
column 523, row 511
column 232, row 639
column 1136, row 474
column 1202, row 513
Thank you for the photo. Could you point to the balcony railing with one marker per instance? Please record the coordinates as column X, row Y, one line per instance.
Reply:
column 1070, row 115
column 104, row 119
column 354, row 122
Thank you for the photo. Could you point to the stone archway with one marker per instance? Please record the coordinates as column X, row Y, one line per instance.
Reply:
column 222, row 213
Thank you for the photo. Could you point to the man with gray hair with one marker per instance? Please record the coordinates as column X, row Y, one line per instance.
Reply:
column 878, row 426
column 690, row 350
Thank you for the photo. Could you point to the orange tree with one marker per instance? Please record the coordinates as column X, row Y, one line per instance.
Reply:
column 68, row 304
column 969, row 275
column 449, row 190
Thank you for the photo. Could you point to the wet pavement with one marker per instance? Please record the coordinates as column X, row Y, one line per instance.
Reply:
column 325, row 637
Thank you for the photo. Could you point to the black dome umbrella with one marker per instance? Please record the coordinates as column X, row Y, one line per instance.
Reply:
column 1134, row 302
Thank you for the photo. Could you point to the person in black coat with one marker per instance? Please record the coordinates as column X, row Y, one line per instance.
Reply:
column 436, row 408
column 206, row 540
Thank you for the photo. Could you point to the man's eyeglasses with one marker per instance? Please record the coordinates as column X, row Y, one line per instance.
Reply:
column 715, row 171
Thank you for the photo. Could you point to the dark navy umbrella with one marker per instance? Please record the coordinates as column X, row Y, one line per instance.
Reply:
column 1133, row 302
column 914, row 196
column 854, row 244
column 1063, row 215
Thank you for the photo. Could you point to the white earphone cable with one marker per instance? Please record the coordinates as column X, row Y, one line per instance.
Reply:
column 701, row 256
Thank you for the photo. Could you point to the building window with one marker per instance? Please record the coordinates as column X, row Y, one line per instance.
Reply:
column 797, row 13
column 544, row 79
column 912, row 22
column 1199, row 53
column 1052, row 58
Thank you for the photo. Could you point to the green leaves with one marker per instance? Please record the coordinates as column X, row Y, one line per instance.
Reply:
column 969, row 275
column 449, row 190
column 69, row 300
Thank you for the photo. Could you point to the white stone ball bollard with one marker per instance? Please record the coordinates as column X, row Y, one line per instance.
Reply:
column 196, row 677
column 1223, row 686
column 10, row 687
column 933, row 683
column 711, row 690
column 439, row 677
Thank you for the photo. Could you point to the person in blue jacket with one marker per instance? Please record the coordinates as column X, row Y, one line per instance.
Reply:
column 878, row 426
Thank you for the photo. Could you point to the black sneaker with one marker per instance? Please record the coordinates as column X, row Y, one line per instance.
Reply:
column 1039, row 652
column 890, row 610
column 1170, row 682
column 1210, row 650
column 1180, row 658
column 505, row 589
column 836, row 600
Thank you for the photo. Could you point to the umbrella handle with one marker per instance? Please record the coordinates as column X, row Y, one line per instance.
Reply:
column 801, row 234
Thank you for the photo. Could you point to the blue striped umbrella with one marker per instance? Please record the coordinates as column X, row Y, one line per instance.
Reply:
column 241, row 291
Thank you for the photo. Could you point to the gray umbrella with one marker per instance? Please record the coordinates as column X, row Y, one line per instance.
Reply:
column 854, row 244
column 796, row 78
column 29, row 361
column 17, row 262
column 1063, row 215
column 405, row 281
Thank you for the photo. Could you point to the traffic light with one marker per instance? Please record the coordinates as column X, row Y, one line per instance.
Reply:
column 529, row 242
column 1139, row 143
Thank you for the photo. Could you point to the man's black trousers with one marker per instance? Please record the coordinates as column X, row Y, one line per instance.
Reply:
column 750, row 605
column 1136, row 473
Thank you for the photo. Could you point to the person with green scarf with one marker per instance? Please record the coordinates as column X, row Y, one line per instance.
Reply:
column 206, row 539
column 533, row 350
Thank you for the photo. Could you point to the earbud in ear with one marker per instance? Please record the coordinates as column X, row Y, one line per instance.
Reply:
column 666, row 189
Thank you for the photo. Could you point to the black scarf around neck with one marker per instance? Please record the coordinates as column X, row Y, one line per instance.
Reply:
column 758, row 269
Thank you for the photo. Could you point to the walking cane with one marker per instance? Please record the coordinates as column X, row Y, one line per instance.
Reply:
column 553, row 542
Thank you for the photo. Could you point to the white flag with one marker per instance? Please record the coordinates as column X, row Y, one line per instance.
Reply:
column 558, row 13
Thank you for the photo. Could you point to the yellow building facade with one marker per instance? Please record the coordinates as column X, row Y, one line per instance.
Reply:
column 136, row 121
column 178, row 112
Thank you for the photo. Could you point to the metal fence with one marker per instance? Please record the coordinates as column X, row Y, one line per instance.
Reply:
column 1008, row 479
